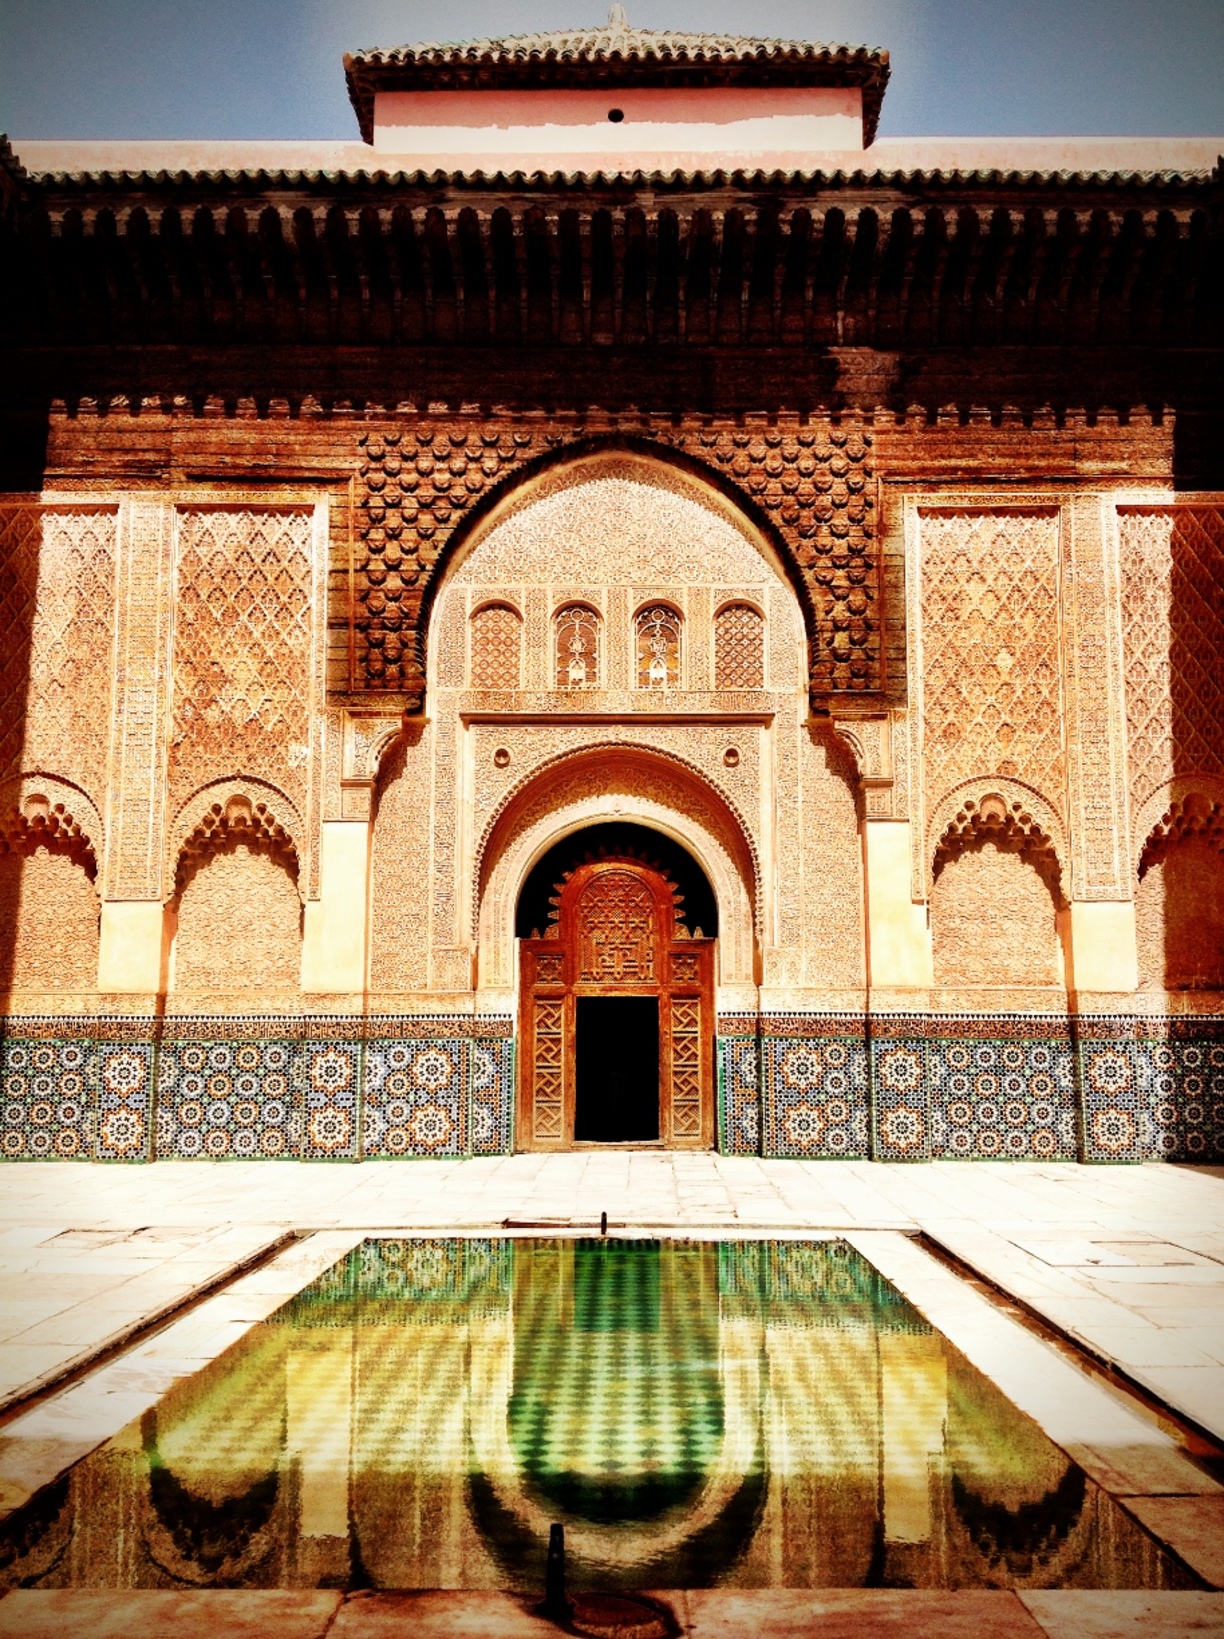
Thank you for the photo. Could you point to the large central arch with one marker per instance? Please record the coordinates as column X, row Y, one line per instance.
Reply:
column 610, row 782
column 664, row 795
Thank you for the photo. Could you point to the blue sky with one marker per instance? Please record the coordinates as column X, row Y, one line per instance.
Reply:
column 271, row 68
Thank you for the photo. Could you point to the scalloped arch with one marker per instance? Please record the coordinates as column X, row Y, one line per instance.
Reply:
column 193, row 815
column 1155, row 809
column 1030, row 810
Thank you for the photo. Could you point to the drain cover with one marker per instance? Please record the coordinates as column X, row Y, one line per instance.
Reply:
column 612, row 1616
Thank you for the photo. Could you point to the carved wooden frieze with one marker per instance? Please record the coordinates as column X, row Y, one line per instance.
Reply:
column 419, row 483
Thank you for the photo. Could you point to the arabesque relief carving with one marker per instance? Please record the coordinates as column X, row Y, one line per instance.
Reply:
column 48, row 899
column 1179, row 903
column 244, row 651
column 995, row 895
column 1172, row 566
column 57, row 611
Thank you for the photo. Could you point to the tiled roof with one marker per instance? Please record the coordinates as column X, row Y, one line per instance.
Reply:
column 616, row 54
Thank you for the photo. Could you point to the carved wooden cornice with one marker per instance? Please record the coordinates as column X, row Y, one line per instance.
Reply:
column 849, row 260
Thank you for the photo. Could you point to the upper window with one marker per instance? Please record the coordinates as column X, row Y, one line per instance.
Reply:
column 739, row 648
column 497, row 641
column 577, row 632
column 658, row 647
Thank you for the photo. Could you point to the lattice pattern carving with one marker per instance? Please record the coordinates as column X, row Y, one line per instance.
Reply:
column 658, row 647
column 616, row 930
column 548, row 1110
column 739, row 648
column 497, row 646
column 1173, row 637
column 242, row 650
column 576, row 631
column 417, row 484
column 57, row 612
column 686, row 1068
column 991, row 690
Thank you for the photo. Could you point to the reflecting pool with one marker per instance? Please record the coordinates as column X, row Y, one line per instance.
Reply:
column 748, row 1414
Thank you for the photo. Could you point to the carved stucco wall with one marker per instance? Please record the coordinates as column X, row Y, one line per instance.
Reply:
column 1172, row 567
column 246, row 657
column 990, row 682
column 57, row 611
column 1179, row 914
column 50, row 942
column 993, row 921
column 239, row 924
column 617, row 532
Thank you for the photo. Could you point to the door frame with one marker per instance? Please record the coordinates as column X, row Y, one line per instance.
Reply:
column 679, row 971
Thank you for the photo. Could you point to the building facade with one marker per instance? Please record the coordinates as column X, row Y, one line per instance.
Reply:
column 618, row 608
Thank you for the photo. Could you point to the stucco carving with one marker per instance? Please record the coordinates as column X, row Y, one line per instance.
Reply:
column 979, row 804
column 57, row 611
column 48, row 899
column 239, row 914
column 1172, row 567
column 621, row 782
column 241, row 806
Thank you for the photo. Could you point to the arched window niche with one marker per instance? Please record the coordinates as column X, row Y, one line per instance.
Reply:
column 576, row 637
column 658, row 630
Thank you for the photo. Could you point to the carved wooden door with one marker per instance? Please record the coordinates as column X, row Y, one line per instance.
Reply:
column 616, row 932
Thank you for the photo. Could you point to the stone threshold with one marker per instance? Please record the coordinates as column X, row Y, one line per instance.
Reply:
column 715, row 1613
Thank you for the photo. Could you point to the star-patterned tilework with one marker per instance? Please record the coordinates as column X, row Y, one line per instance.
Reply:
column 897, row 1087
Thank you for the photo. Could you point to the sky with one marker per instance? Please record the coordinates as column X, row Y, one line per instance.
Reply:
column 272, row 68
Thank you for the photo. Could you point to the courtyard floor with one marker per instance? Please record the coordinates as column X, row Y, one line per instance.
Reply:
column 115, row 1281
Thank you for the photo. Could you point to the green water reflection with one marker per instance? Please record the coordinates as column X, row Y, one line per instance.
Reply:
column 744, row 1413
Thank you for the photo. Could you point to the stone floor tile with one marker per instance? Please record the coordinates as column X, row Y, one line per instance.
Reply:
column 440, row 1616
column 1157, row 1470
column 1144, row 1345
column 1196, row 1391
column 1192, row 1526
column 851, row 1613
column 187, row 1614
column 1074, row 1613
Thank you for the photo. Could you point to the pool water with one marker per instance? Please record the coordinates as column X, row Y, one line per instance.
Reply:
column 745, row 1414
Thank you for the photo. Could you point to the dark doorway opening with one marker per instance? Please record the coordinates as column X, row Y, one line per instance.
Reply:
column 617, row 1070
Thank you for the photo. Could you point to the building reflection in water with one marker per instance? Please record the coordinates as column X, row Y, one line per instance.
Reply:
column 749, row 1414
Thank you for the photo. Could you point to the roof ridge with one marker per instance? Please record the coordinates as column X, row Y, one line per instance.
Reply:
column 616, row 36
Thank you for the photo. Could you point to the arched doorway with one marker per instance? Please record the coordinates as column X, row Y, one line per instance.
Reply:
column 617, row 998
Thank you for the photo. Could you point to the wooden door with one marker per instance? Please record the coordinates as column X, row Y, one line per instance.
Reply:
column 616, row 932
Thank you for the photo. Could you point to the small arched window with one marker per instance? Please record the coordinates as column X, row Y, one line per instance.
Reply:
column 497, row 641
column 739, row 648
column 577, row 636
column 658, row 647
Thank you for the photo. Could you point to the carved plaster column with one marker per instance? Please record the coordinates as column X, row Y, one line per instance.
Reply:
column 134, row 936
column 335, row 943
column 1103, row 954
column 898, row 939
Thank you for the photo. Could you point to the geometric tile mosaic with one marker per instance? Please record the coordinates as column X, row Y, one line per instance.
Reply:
column 895, row 1087
column 415, row 1101
column 814, row 1086
column 1153, row 1089
column 229, row 1100
column 974, row 1087
column 738, row 1063
column 47, row 1111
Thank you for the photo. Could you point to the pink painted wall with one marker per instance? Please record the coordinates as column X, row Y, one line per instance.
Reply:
column 564, row 125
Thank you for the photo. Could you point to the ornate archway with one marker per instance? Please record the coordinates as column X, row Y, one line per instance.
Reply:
column 616, row 957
